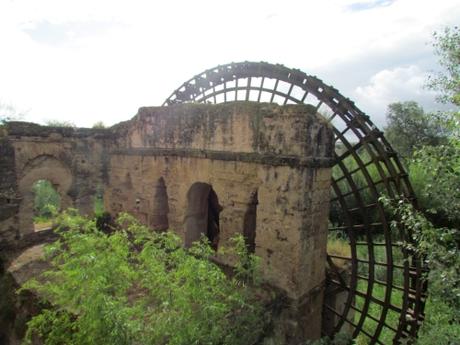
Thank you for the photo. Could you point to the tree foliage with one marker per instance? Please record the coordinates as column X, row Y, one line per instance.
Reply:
column 440, row 248
column 46, row 200
column 409, row 128
column 447, row 82
column 99, row 125
column 440, row 165
column 59, row 123
column 135, row 286
column 436, row 169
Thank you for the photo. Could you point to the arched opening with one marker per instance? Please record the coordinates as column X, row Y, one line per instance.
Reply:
column 38, row 169
column 202, row 215
column 47, row 202
column 250, row 222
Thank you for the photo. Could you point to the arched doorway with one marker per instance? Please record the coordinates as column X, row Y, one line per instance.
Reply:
column 38, row 169
column 47, row 202
column 202, row 215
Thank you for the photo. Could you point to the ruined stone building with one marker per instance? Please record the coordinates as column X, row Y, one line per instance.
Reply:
column 221, row 157
column 258, row 169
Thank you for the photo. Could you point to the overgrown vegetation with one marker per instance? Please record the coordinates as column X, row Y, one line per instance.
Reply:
column 136, row 286
column 47, row 201
column 409, row 128
column 430, row 148
column 440, row 248
column 435, row 169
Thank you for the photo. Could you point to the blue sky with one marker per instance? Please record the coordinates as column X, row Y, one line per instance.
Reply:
column 88, row 60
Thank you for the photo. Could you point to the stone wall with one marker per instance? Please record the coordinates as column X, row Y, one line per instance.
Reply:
column 73, row 160
column 268, row 165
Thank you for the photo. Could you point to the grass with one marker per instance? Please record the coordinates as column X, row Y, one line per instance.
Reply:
column 340, row 246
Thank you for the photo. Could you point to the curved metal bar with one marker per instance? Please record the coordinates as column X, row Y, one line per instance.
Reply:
column 364, row 219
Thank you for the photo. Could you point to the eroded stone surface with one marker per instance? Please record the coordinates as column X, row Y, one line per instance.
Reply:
column 146, row 166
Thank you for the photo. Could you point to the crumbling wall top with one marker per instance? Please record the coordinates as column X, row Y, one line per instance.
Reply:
column 246, row 129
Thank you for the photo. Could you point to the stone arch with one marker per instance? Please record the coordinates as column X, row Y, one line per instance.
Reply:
column 43, row 167
column 202, row 214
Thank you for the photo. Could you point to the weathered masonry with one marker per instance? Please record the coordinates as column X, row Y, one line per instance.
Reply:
column 199, row 169
column 258, row 169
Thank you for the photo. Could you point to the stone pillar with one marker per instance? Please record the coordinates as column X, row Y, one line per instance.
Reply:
column 291, row 239
column 160, row 208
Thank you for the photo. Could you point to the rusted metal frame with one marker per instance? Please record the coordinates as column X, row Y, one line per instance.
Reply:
column 396, row 287
column 355, row 209
column 248, row 89
column 236, row 89
column 389, row 255
column 394, row 171
column 359, row 189
column 376, row 183
column 371, row 298
column 230, row 89
column 355, row 147
column 375, row 319
column 288, row 94
column 242, row 70
column 417, row 263
column 214, row 94
column 274, row 90
column 351, row 323
column 405, row 302
column 354, row 171
column 389, row 166
column 418, row 305
column 260, row 89
column 354, row 268
column 347, row 128
column 304, row 96
column 354, row 227
column 378, row 263
column 413, row 281
column 379, row 244
column 370, row 248
column 330, row 118
column 368, row 235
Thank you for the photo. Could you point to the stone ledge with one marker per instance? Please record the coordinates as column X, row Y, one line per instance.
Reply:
column 248, row 157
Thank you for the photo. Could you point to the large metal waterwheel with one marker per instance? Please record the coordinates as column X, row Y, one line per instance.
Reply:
column 383, row 293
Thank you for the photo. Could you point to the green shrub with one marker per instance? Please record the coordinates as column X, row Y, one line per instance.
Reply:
column 47, row 200
column 135, row 286
column 441, row 249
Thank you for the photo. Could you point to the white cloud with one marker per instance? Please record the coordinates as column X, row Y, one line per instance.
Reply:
column 92, row 60
column 394, row 85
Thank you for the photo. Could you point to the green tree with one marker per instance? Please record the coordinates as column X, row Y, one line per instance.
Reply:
column 47, row 200
column 447, row 81
column 409, row 128
column 438, row 170
column 99, row 124
column 59, row 123
column 440, row 247
column 439, row 165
